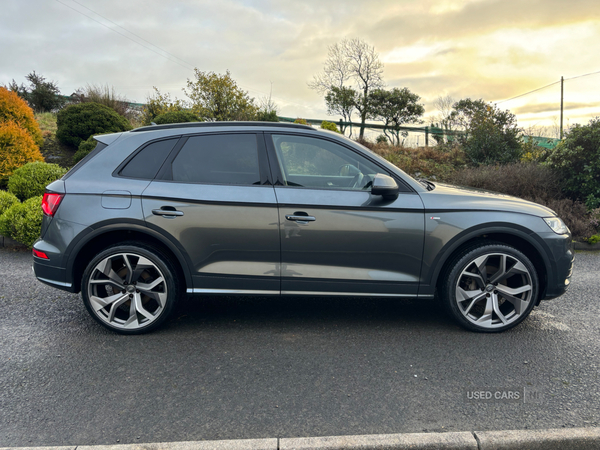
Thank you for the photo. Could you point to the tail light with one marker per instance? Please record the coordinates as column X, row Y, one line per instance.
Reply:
column 50, row 203
column 39, row 254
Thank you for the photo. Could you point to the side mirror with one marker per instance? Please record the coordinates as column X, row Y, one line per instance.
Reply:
column 385, row 186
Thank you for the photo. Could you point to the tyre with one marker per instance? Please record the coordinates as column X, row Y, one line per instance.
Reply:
column 130, row 288
column 490, row 287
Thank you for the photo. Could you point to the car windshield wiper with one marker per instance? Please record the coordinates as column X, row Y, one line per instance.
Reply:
column 428, row 184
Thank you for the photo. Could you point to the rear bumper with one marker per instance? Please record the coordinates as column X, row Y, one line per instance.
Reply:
column 51, row 275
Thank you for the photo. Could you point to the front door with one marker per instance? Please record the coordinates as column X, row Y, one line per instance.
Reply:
column 337, row 238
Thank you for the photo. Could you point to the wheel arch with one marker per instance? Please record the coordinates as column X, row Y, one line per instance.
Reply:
column 514, row 236
column 111, row 234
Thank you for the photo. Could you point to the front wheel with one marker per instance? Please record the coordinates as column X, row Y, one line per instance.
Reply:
column 130, row 288
column 490, row 287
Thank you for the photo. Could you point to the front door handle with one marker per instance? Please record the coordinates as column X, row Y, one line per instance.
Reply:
column 300, row 217
column 167, row 211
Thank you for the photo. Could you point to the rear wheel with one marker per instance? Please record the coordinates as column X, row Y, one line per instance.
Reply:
column 490, row 287
column 130, row 288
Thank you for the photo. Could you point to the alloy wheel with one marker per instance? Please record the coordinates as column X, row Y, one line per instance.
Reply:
column 494, row 290
column 127, row 291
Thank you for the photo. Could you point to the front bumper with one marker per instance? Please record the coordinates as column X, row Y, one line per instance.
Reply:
column 563, row 253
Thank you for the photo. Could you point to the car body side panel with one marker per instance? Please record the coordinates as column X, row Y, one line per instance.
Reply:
column 446, row 231
column 358, row 243
column 82, row 208
column 231, row 233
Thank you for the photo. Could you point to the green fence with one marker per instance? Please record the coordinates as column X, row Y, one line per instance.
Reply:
column 427, row 131
column 434, row 131
column 540, row 141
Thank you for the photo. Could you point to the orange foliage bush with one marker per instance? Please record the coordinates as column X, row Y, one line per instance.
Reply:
column 17, row 148
column 14, row 109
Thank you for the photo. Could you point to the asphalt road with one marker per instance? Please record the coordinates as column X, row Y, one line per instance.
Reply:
column 228, row 368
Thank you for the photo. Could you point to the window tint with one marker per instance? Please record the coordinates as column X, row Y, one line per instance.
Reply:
column 318, row 163
column 218, row 159
column 147, row 162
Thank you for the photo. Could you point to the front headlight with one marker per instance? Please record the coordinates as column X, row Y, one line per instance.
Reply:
column 557, row 225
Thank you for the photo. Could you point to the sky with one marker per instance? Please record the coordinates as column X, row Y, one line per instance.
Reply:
column 489, row 49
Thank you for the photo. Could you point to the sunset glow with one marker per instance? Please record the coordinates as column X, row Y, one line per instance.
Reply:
column 487, row 49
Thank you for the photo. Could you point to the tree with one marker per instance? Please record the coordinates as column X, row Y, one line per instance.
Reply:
column 218, row 97
column 395, row 108
column 443, row 119
column 158, row 104
column 17, row 148
column 342, row 101
column 336, row 72
column 15, row 109
column 577, row 158
column 352, row 60
column 490, row 135
column 42, row 95
column 267, row 111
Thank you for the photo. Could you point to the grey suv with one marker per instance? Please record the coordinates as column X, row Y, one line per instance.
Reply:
column 279, row 209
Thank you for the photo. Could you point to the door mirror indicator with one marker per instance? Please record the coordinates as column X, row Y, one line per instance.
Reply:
column 385, row 186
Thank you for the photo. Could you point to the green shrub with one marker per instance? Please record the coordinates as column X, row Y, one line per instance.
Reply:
column 381, row 139
column 525, row 180
column 76, row 123
column 6, row 201
column 574, row 213
column 329, row 126
column 157, row 104
column 301, row 121
column 577, row 158
column 84, row 149
column 23, row 221
column 593, row 239
column 421, row 162
column 31, row 179
column 530, row 181
column 530, row 151
column 267, row 116
column 175, row 117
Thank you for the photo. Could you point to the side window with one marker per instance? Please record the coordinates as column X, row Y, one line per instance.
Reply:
column 218, row 159
column 318, row 163
column 147, row 162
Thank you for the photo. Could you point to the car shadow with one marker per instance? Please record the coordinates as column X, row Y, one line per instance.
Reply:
column 309, row 312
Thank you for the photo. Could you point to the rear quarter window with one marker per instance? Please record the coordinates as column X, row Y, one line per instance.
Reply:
column 146, row 162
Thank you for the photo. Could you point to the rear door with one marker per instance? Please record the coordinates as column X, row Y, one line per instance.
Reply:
column 337, row 238
column 214, row 199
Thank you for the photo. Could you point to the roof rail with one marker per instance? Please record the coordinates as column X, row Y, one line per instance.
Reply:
column 221, row 124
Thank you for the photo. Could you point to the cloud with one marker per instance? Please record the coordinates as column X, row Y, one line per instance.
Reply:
column 477, row 18
column 554, row 108
column 486, row 49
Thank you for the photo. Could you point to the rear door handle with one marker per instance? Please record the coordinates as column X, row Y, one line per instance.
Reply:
column 300, row 218
column 168, row 212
